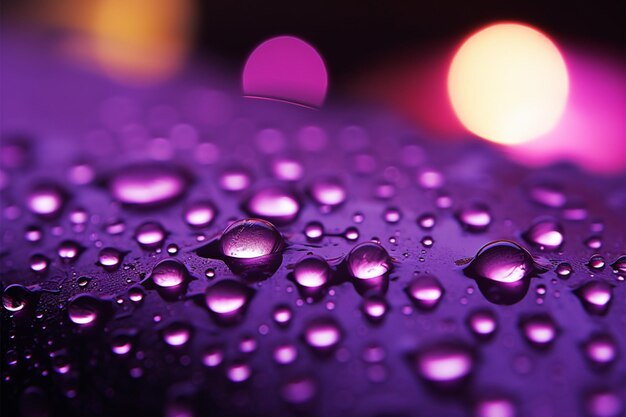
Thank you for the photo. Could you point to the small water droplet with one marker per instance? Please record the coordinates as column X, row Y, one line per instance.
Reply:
column 234, row 179
column 135, row 294
column 33, row 234
column 110, row 258
column 84, row 309
column 547, row 195
column 285, row 354
column 46, row 200
column 200, row 214
column 601, row 350
column 322, row 335
column 596, row 262
column 238, row 372
column 177, row 333
column 619, row 266
column 282, row 315
column 150, row 235
column 148, row 184
column 351, row 234
column 427, row 241
column 426, row 221
column 69, row 250
column 540, row 330
column 16, row 297
column 39, row 263
column 210, row 273
column 227, row 298
column 375, row 308
column 287, row 169
column 546, row 234
column 495, row 406
column 474, row 218
column 596, row 296
column 122, row 343
column 482, row 323
column 564, row 270
column 445, row 364
column 311, row 272
column 213, row 356
column 425, row 292
column 314, row 231
column 392, row 215
column 594, row 242
column 430, row 179
column 329, row 193
column 274, row 204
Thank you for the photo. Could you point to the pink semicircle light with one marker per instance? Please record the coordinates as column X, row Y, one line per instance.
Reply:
column 286, row 68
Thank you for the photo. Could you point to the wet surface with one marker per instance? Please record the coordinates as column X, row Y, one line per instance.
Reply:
column 134, row 285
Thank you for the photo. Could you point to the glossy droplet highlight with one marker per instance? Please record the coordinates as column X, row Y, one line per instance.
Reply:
column 368, row 260
column 226, row 298
column 200, row 214
column 150, row 235
column 501, row 261
column 539, row 330
column 482, row 323
column 545, row 234
column 329, row 192
column 273, row 204
column 444, row 364
column 250, row 238
column 425, row 292
column 595, row 296
column 177, row 333
column 314, row 231
column 147, row 184
column 16, row 298
column 110, row 258
column 46, row 200
column 600, row 349
column 84, row 309
column 474, row 218
column 169, row 273
column 311, row 272
column 322, row 335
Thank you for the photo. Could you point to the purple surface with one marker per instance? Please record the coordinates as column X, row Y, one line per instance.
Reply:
column 201, row 127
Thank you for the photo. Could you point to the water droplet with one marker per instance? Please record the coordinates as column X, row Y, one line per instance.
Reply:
column 150, row 235
column 546, row 234
column 69, row 250
column 177, row 333
column 425, row 292
column 213, row 356
column 329, row 193
column 287, row 169
column 322, row 335
column 375, row 308
column 172, row 249
column 368, row 260
column 619, row 266
column 39, row 263
column 200, row 214
column 596, row 296
column 16, row 297
column 604, row 403
column 540, row 330
column 314, row 231
column 210, row 273
column 427, row 241
column 227, row 298
column 502, row 261
column 169, row 273
column 311, row 272
column 282, row 315
column 594, row 242
column 238, row 372
column 495, row 406
column 474, row 218
column 83, row 281
column 426, row 221
column 351, row 234
column 122, row 343
column 250, row 238
column 84, row 309
column 445, row 364
column 33, row 234
column 564, row 270
column 135, row 294
column 285, row 354
column 601, row 350
column 392, row 215
column 115, row 227
column 596, row 262
column 46, row 200
column 274, row 204
column 482, row 323
column 547, row 195
column 299, row 390
column 235, row 179
column 148, row 184
column 430, row 179
column 110, row 258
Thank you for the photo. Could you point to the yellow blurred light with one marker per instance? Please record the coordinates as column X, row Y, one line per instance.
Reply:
column 508, row 83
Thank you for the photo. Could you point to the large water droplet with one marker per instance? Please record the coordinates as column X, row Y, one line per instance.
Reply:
column 501, row 261
column 150, row 235
column 147, row 184
column 311, row 272
column 274, row 204
column 596, row 296
column 250, row 238
column 546, row 234
column 368, row 260
column 169, row 273
column 540, row 330
column 425, row 292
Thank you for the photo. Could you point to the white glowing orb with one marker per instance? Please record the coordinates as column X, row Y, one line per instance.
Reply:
column 508, row 83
